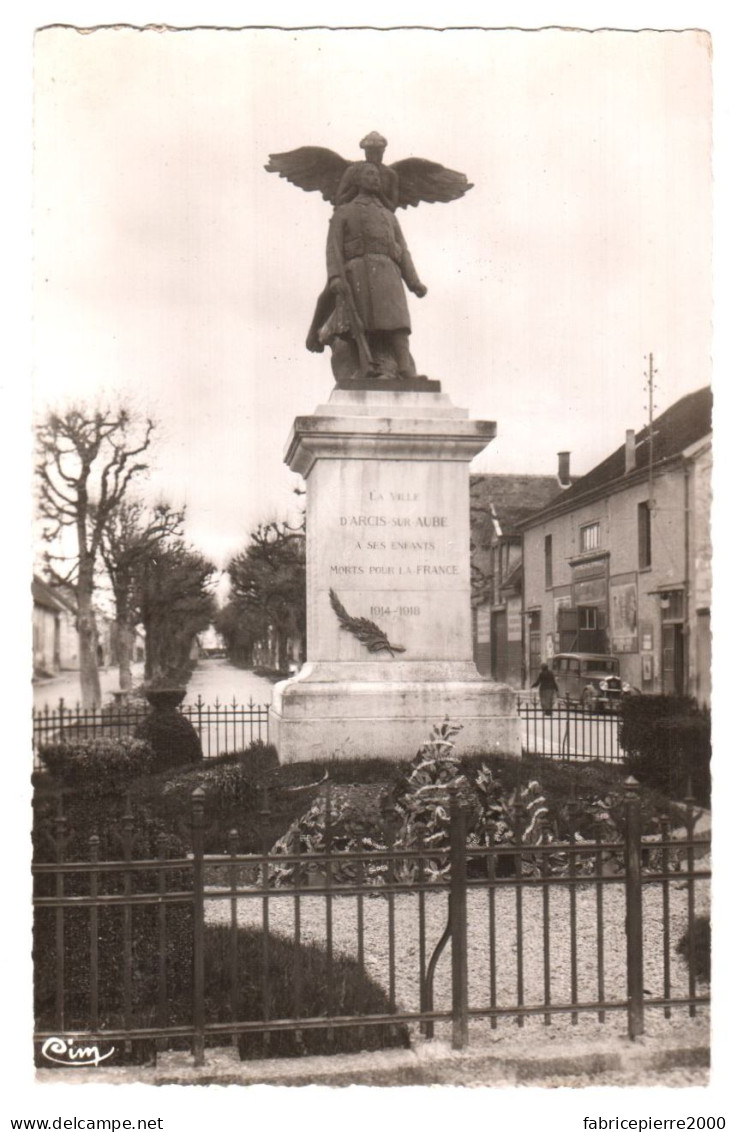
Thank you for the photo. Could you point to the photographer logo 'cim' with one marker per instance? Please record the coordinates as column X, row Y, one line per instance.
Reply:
column 64, row 1052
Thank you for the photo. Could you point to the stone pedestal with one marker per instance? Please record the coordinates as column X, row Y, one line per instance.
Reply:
column 388, row 541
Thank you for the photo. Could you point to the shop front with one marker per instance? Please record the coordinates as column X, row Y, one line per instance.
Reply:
column 589, row 615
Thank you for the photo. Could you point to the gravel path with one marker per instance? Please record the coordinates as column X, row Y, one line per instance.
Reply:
column 376, row 911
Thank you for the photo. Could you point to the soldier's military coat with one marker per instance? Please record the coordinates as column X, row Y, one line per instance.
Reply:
column 365, row 240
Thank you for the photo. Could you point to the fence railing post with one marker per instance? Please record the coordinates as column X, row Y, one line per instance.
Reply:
column 60, row 825
column 198, row 933
column 457, row 908
column 633, row 903
column 690, row 823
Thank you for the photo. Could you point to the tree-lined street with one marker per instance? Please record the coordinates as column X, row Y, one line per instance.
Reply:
column 212, row 679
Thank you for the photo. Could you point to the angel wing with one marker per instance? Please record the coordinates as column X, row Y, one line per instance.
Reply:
column 429, row 181
column 311, row 167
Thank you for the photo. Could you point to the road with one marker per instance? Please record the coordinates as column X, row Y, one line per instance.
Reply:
column 217, row 679
column 569, row 733
column 212, row 679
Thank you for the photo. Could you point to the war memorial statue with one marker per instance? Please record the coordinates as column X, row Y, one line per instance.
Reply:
column 386, row 468
column 362, row 313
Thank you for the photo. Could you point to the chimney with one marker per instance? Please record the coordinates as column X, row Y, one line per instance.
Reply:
column 629, row 451
column 564, row 469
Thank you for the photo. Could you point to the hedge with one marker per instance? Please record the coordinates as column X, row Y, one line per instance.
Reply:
column 667, row 740
column 101, row 766
column 352, row 991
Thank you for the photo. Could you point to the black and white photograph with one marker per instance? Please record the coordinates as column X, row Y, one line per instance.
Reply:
column 370, row 580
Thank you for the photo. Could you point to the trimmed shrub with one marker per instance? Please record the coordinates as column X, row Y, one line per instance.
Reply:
column 148, row 840
column 668, row 744
column 98, row 767
column 258, row 759
column 232, row 799
column 342, row 987
column 698, row 936
column 233, row 786
column 172, row 738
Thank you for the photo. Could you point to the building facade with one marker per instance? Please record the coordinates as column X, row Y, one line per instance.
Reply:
column 498, row 504
column 55, row 642
column 622, row 562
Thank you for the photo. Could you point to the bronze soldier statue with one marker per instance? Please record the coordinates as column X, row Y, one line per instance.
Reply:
column 368, row 263
column 373, row 145
column 362, row 313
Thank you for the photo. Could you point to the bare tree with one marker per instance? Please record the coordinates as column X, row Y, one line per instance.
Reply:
column 131, row 535
column 87, row 459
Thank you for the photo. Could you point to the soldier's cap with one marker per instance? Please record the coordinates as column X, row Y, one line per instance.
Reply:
column 373, row 141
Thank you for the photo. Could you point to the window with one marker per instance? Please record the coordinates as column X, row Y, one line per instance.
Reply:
column 590, row 536
column 611, row 666
column 548, row 562
column 592, row 629
column 671, row 605
column 643, row 535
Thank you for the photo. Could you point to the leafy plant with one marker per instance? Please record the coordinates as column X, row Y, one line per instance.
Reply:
column 421, row 800
column 415, row 813
column 343, row 818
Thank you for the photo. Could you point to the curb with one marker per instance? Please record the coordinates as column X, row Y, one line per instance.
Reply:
column 433, row 1064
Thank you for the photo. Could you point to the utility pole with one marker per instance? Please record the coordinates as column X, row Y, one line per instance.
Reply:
column 650, row 374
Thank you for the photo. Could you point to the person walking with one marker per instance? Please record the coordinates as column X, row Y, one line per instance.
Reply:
column 548, row 689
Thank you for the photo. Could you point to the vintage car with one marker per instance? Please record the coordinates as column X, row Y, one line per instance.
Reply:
column 590, row 679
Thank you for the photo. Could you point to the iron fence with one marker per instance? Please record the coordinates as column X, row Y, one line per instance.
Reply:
column 570, row 732
column 223, row 728
column 557, row 928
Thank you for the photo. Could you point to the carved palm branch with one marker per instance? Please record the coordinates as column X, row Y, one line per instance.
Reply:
column 368, row 633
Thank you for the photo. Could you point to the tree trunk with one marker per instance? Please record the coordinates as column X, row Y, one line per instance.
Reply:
column 89, row 677
column 148, row 656
column 126, row 645
column 282, row 640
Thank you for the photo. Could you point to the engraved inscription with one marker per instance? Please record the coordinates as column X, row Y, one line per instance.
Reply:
column 393, row 521
column 396, row 611
column 382, row 543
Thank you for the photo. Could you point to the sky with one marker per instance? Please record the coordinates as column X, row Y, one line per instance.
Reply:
column 174, row 273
